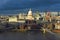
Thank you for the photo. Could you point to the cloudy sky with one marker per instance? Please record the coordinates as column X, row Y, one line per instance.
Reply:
column 42, row 5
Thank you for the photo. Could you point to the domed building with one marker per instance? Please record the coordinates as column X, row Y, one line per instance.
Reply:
column 30, row 22
column 30, row 15
column 29, row 18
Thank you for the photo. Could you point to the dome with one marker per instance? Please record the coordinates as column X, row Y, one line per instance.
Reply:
column 30, row 13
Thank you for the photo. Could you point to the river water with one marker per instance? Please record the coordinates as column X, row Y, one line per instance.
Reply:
column 28, row 36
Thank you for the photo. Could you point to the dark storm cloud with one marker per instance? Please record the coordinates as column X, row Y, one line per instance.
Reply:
column 34, row 4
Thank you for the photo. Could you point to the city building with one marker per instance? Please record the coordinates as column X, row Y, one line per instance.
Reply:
column 48, row 16
column 57, row 25
column 12, row 19
column 54, row 13
column 57, row 18
column 44, row 15
column 3, row 18
column 37, row 16
column 29, row 15
column 21, row 18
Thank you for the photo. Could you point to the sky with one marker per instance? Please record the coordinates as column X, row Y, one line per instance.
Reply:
column 41, row 5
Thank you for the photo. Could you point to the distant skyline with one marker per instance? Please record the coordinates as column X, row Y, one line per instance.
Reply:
column 41, row 5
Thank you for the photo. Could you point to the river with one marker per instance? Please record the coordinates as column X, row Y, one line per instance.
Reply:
column 28, row 36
